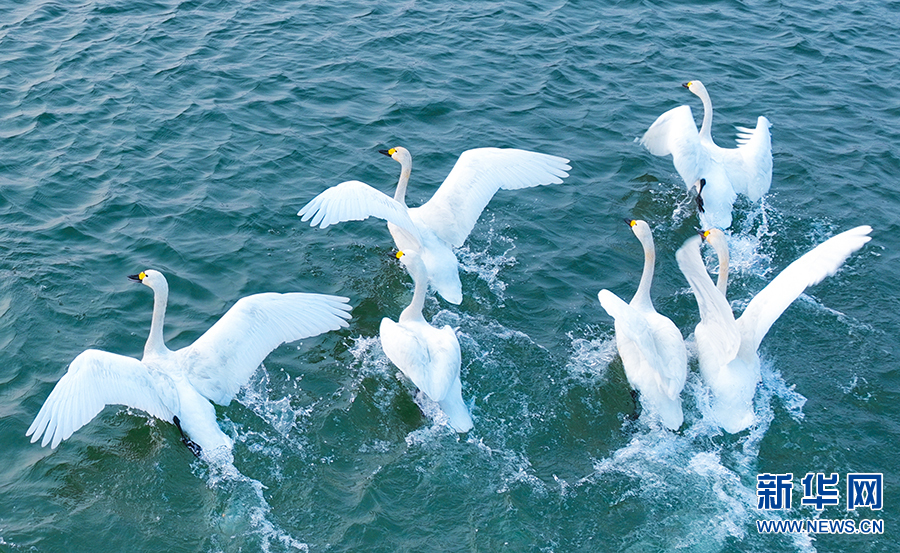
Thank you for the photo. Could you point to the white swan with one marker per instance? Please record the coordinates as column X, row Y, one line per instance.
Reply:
column 443, row 222
column 727, row 348
column 651, row 346
column 746, row 169
column 429, row 356
column 178, row 385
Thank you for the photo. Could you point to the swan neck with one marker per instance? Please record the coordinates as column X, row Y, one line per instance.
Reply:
column 722, row 281
column 155, row 342
column 706, row 126
column 642, row 296
column 413, row 311
column 405, row 170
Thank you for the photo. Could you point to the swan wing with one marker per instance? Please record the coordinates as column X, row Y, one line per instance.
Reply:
column 453, row 210
column 94, row 380
column 675, row 133
column 355, row 201
column 715, row 313
column 632, row 325
column 750, row 170
column 429, row 360
column 224, row 357
column 811, row 268
column 659, row 341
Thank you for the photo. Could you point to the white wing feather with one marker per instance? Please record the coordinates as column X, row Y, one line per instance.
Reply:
column 811, row 268
column 222, row 360
column 454, row 209
column 675, row 133
column 94, row 380
column 356, row 201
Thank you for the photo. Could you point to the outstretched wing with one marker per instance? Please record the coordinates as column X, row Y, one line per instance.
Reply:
column 94, row 380
column 355, row 201
column 811, row 268
column 453, row 210
column 222, row 360
column 751, row 173
column 715, row 313
column 675, row 133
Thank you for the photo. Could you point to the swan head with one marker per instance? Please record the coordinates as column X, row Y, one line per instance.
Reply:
column 399, row 154
column 413, row 263
column 640, row 228
column 717, row 239
column 154, row 279
column 696, row 87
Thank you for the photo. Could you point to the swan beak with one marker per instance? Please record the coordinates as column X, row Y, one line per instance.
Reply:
column 389, row 153
column 704, row 234
column 686, row 85
column 630, row 222
column 399, row 254
column 138, row 277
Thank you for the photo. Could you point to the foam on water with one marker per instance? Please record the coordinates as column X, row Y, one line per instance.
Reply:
column 476, row 256
column 240, row 515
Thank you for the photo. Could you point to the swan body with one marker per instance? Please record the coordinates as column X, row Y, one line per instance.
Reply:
column 179, row 385
column 651, row 346
column 727, row 347
column 746, row 169
column 445, row 221
column 429, row 356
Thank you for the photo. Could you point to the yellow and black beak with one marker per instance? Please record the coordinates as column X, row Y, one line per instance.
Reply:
column 630, row 222
column 138, row 277
column 687, row 84
column 389, row 153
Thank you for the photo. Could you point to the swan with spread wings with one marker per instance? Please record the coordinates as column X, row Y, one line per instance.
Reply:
column 445, row 221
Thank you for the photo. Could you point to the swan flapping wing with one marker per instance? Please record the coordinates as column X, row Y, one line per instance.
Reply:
column 355, row 201
column 749, row 168
column 431, row 361
column 94, row 380
column 675, row 133
column 222, row 360
column 714, row 309
column 811, row 268
column 453, row 210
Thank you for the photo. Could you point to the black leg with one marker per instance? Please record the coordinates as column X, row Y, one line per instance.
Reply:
column 195, row 449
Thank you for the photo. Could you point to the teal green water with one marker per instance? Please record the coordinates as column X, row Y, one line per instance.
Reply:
column 184, row 136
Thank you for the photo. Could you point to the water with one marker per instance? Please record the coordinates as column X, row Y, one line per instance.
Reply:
column 184, row 136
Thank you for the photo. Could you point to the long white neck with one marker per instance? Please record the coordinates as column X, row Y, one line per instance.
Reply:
column 156, row 345
column 722, row 252
column 405, row 170
column 642, row 296
column 413, row 311
column 706, row 126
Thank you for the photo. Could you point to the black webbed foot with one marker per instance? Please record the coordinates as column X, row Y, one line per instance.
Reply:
column 195, row 449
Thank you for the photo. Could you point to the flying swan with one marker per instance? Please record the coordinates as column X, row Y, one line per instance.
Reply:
column 727, row 348
column 651, row 346
column 445, row 221
column 429, row 356
column 746, row 169
column 179, row 385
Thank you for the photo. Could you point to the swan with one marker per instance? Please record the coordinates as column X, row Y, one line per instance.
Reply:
column 651, row 346
column 179, row 385
column 445, row 221
column 727, row 348
column 746, row 169
column 429, row 356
